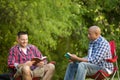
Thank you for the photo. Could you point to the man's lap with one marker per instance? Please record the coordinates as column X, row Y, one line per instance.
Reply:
column 37, row 72
column 91, row 68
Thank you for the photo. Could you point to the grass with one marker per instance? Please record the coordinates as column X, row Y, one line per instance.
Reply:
column 113, row 79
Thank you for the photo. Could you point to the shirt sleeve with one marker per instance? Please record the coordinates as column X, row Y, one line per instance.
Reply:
column 38, row 53
column 11, row 57
column 16, row 65
column 98, row 53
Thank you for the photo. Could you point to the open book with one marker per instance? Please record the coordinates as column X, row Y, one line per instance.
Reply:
column 38, row 59
column 67, row 55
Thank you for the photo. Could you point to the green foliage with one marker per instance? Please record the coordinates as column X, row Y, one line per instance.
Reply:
column 57, row 26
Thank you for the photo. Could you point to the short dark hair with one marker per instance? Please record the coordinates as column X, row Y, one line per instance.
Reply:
column 22, row 33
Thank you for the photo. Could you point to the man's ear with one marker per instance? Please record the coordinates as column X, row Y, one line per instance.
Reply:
column 17, row 38
column 97, row 34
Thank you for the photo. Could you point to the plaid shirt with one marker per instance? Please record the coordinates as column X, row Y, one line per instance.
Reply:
column 99, row 50
column 16, row 55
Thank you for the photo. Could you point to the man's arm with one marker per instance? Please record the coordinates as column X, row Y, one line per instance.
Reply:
column 73, row 57
column 11, row 58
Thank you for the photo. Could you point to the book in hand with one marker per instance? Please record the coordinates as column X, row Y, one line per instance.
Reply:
column 38, row 59
column 67, row 55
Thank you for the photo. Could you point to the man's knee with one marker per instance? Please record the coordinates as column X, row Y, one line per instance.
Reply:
column 82, row 65
column 26, row 69
column 51, row 67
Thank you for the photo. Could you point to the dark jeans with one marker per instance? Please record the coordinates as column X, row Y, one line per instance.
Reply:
column 5, row 76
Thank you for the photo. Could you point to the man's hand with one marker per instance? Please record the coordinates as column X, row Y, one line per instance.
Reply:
column 73, row 57
column 41, row 63
column 19, row 65
column 29, row 63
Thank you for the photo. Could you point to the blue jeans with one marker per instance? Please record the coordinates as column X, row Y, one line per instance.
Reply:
column 78, row 71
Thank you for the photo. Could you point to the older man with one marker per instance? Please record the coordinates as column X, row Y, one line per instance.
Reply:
column 98, row 51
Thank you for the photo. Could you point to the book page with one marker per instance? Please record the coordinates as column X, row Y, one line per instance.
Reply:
column 38, row 59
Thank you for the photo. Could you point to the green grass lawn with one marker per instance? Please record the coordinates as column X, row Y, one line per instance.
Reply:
column 113, row 79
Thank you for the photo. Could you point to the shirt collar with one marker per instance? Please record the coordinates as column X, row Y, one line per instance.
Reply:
column 98, row 39
column 28, row 47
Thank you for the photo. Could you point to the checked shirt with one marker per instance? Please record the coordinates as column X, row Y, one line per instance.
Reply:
column 98, row 52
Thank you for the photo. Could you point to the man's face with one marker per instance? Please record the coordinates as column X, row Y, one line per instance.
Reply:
column 92, row 35
column 23, row 40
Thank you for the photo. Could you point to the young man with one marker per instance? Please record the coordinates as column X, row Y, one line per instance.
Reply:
column 20, row 56
column 98, row 51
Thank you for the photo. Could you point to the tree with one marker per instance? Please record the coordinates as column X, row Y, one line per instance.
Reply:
column 57, row 26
